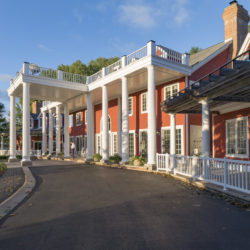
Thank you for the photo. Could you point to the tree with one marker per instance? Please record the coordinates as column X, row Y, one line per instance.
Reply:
column 248, row 28
column 94, row 66
column 194, row 50
column 3, row 122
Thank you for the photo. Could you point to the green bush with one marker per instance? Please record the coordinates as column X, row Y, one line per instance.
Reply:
column 3, row 168
column 115, row 158
column 4, row 157
column 19, row 157
column 141, row 159
column 97, row 157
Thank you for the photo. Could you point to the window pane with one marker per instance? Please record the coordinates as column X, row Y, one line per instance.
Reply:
column 167, row 93
column 115, row 143
column 144, row 102
column 143, row 143
column 130, row 105
column 131, row 145
column 78, row 118
column 70, row 120
column 174, row 89
column 231, row 137
column 242, row 136
column 166, row 141
column 178, row 142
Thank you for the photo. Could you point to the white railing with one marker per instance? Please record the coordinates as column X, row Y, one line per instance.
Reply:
column 42, row 72
column 168, row 54
column 137, row 55
column 228, row 173
column 113, row 67
column 96, row 76
column 70, row 77
column 19, row 152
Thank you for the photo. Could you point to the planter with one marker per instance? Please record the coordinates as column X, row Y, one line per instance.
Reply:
column 137, row 163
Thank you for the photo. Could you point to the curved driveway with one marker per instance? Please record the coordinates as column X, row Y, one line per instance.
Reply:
column 87, row 207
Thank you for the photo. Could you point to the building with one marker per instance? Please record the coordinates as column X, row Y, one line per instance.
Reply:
column 118, row 109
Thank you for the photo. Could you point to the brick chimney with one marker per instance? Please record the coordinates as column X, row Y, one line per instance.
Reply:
column 236, row 20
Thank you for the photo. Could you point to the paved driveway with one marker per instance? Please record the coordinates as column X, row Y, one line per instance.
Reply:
column 87, row 207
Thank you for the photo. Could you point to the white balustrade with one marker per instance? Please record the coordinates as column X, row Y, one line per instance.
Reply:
column 233, row 174
column 137, row 55
column 168, row 54
column 113, row 67
column 96, row 76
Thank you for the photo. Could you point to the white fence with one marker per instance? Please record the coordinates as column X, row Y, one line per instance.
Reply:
column 228, row 173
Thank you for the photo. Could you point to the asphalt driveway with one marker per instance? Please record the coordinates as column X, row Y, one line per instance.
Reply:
column 88, row 207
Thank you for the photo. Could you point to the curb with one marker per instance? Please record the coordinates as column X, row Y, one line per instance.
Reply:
column 15, row 199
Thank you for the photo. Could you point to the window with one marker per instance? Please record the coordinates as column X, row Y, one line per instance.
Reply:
column 98, row 144
column 86, row 116
column 78, row 118
column 236, row 137
column 144, row 143
column 31, row 122
column 70, row 120
column 78, row 143
column 165, row 141
column 144, row 107
column 130, row 105
column 115, row 143
column 109, row 124
column 131, row 145
column 40, row 122
column 171, row 90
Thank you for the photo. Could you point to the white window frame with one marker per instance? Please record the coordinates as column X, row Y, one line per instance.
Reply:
column 245, row 118
column 130, row 113
column 79, row 124
column 71, row 125
column 142, row 130
column 133, row 132
column 142, row 94
column 86, row 116
column 171, row 89
column 182, row 137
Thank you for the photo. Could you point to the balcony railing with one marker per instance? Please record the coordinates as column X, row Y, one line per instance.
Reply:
column 151, row 49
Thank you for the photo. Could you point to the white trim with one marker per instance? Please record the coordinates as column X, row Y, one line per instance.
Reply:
column 171, row 90
column 77, row 124
column 182, row 136
column 132, row 132
column 130, row 98
column 247, row 141
column 245, row 44
column 144, row 93
column 85, row 116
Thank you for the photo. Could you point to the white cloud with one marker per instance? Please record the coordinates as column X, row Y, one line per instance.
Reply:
column 5, row 77
column 139, row 15
column 77, row 15
column 42, row 47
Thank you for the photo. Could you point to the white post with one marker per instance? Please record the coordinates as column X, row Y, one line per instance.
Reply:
column 172, row 134
column 58, row 130
column 90, row 128
column 151, row 116
column 125, row 120
column 50, row 132
column 105, row 139
column 60, row 75
column 26, row 125
column 26, row 68
column 151, row 48
column 205, row 129
column 44, row 134
column 119, row 134
column 225, row 173
column 185, row 59
column 12, row 128
column 66, row 130
column 124, row 61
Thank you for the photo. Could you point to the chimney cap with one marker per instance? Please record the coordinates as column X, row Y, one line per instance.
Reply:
column 234, row 1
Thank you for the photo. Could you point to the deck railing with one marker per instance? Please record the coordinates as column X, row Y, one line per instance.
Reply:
column 168, row 54
column 233, row 174
column 137, row 55
column 70, row 77
column 96, row 76
column 113, row 67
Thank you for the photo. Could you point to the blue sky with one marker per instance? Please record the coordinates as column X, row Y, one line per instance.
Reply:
column 55, row 32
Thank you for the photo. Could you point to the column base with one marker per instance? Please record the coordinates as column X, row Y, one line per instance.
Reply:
column 26, row 163
column 13, row 160
column 150, row 166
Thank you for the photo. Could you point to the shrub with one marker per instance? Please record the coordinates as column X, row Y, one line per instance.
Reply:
column 97, row 157
column 115, row 158
column 3, row 168
column 19, row 157
column 141, row 159
column 4, row 157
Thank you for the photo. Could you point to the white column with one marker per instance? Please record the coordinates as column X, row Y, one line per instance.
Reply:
column 44, row 134
column 172, row 134
column 205, row 128
column 125, row 120
column 50, row 131
column 26, row 124
column 58, row 130
column 90, row 128
column 12, row 128
column 105, row 137
column 151, row 116
column 66, row 130
column 119, row 134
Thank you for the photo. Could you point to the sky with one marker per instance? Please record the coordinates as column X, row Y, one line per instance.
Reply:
column 54, row 32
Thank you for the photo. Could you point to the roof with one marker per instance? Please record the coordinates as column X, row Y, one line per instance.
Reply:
column 203, row 54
